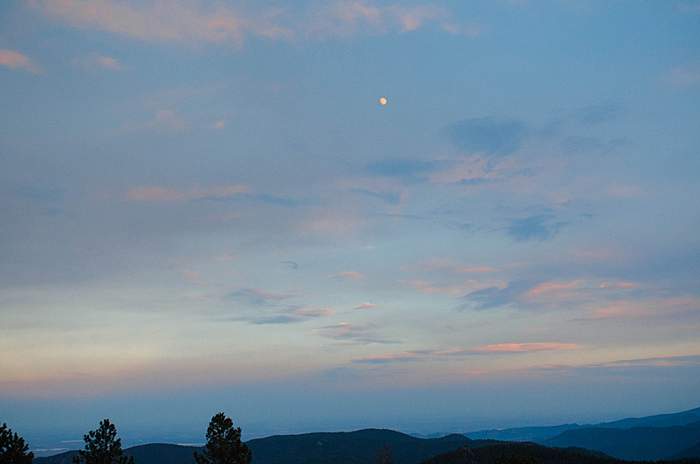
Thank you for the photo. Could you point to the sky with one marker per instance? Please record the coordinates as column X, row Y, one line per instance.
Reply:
column 204, row 207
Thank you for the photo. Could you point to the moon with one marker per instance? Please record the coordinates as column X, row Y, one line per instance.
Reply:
column 383, row 101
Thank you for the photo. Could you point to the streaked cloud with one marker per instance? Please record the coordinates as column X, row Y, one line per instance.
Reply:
column 493, row 349
column 511, row 348
column 538, row 227
column 349, row 275
column 685, row 76
column 353, row 333
column 15, row 60
column 258, row 297
column 179, row 20
column 219, row 23
column 346, row 18
column 163, row 194
column 488, row 135
column 366, row 305
column 97, row 61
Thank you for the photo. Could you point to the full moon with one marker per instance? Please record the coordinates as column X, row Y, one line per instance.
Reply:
column 383, row 101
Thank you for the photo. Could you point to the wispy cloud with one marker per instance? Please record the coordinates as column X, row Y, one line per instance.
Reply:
column 645, row 308
column 97, row 61
column 403, row 168
column 496, row 297
column 164, row 194
column 483, row 350
column 597, row 113
column 539, row 227
column 685, row 76
column 488, row 135
column 218, row 23
column 151, row 20
column 257, row 297
column 366, row 305
column 349, row 275
column 348, row 332
column 346, row 18
column 15, row 60
column 512, row 348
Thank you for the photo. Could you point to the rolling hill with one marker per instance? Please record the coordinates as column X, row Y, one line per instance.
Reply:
column 361, row 446
column 633, row 443
column 544, row 433
column 528, row 453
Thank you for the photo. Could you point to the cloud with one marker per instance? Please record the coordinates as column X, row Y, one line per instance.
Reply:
column 582, row 144
column 348, row 332
column 291, row 315
column 273, row 308
column 152, row 20
column 488, row 135
column 218, row 23
column 291, row 264
column 447, row 265
column 392, row 198
column 546, row 289
column 624, row 191
column 511, row 348
column 100, row 62
column 406, row 169
column 16, row 60
column 168, row 120
column 257, row 297
column 348, row 275
column 639, row 309
column 597, row 113
column 539, row 227
column 330, row 224
column 163, row 194
column 495, row 297
column 432, row 288
column 366, row 305
column 351, row 17
column 684, row 76
column 493, row 349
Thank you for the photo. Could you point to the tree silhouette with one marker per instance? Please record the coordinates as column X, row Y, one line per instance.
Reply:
column 224, row 444
column 102, row 446
column 13, row 449
column 384, row 456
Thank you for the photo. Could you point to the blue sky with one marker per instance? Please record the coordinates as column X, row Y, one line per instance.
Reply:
column 205, row 208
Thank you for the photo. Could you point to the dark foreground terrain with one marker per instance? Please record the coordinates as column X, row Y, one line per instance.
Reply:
column 364, row 447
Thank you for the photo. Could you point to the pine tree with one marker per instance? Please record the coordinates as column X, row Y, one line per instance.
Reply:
column 102, row 446
column 224, row 444
column 13, row 449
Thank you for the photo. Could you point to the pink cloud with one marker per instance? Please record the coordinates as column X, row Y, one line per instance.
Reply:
column 16, row 60
column 365, row 306
column 349, row 17
column 330, row 224
column 162, row 21
column 550, row 288
column 107, row 62
column 619, row 285
column 431, row 288
column 525, row 347
column 685, row 76
column 314, row 312
column 447, row 265
column 657, row 307
column 624, row 191
column 349, row 275
column 163, row 194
